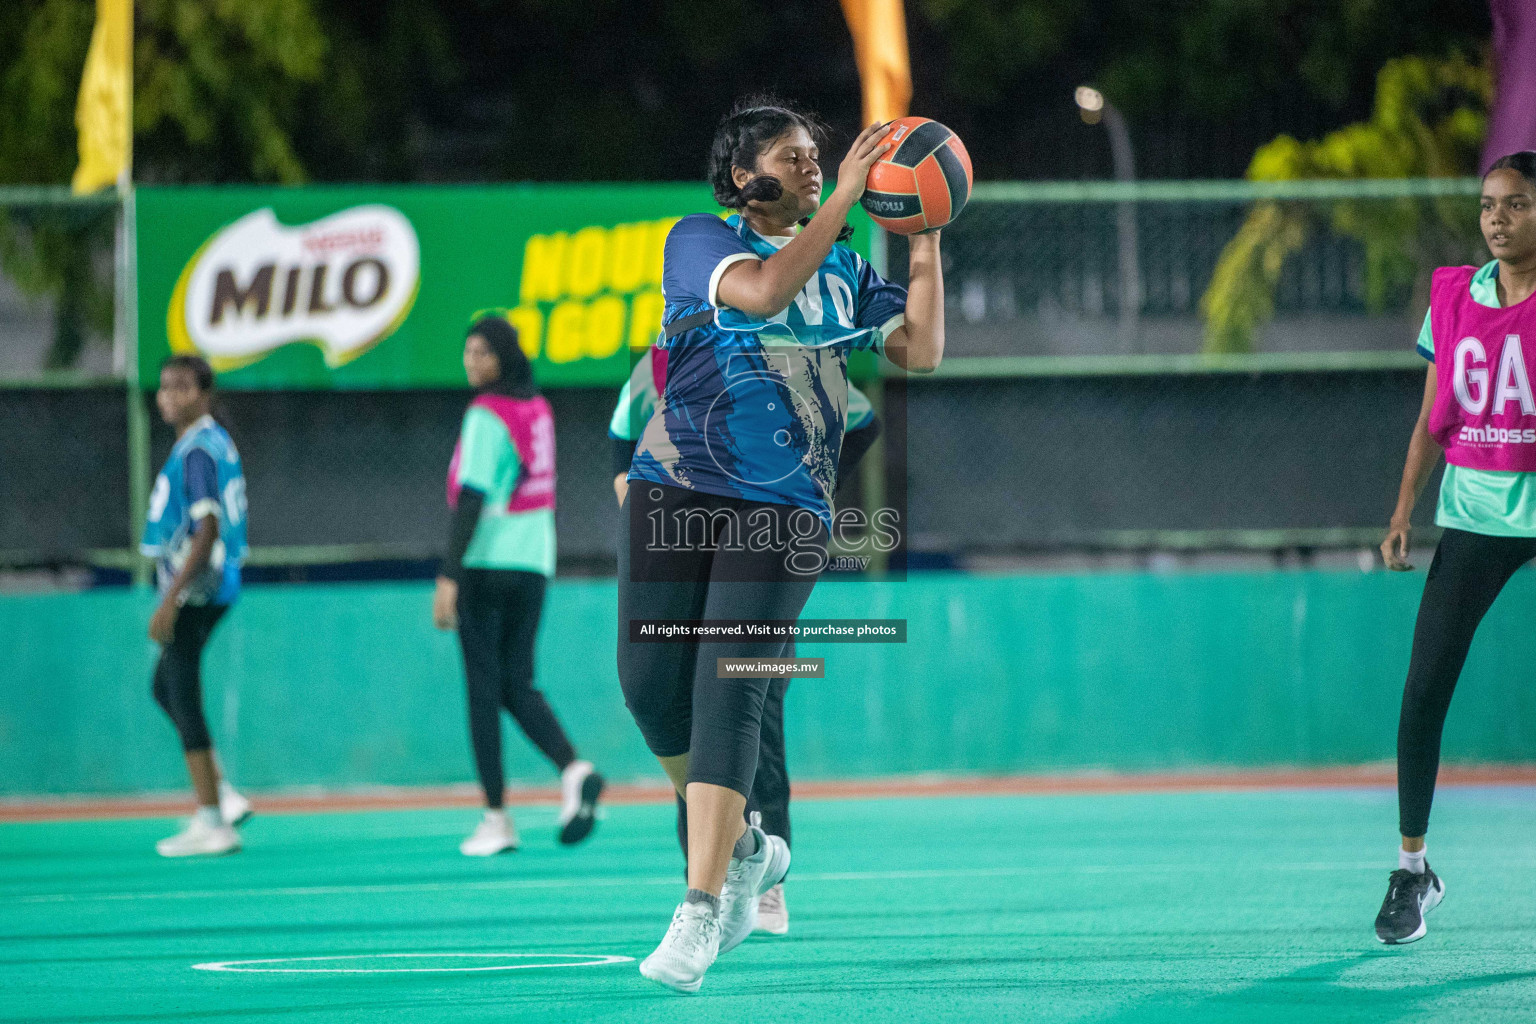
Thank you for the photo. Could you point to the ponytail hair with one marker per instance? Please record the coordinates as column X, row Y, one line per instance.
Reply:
column 740, row 140
column 1522, row 163
column 202, row 376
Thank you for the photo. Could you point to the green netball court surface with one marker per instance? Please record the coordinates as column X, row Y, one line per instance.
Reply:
column 1146, row 907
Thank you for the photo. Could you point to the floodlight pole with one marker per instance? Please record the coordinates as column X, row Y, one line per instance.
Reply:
column 1094, row 107
column 1125, row 228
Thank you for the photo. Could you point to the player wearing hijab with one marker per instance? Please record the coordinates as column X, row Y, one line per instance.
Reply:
column 501, row 552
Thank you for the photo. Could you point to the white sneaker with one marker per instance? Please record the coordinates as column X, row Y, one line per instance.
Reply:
column 773, row 912
column 200, row 839
column 493, row 835
column 690, row 946
column 580, row 786
column 233, row 808
column 745, row 881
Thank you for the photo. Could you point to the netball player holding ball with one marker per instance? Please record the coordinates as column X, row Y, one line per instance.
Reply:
column 1479, row 407
column 769, row 798
column 195, row 531
column 729, row 502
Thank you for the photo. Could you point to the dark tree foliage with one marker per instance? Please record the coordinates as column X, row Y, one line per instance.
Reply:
column 555, row 90
column 604, row 90
column 392, row 90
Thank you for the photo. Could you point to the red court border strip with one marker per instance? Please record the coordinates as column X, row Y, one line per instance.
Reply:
column 67, row 809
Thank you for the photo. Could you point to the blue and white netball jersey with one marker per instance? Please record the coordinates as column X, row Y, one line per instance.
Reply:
column 756, row 408
column 202, row 477
column 641, row 394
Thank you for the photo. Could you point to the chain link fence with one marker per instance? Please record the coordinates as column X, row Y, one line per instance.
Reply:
column 1257, row 394
column 1199, row 267
column 59, row 278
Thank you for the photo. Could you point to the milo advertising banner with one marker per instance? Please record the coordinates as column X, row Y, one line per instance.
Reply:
column 362, row 287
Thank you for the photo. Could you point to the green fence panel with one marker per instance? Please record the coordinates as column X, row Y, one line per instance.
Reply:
column 348, row 686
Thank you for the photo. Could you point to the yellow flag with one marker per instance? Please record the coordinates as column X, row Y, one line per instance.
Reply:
column 103, row 113
column 879, row 30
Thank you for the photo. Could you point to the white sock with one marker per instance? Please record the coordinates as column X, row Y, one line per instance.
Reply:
column 576, row 767
column 226, row 790
column 498, row 815
column 1411, row 861
column 210, row 816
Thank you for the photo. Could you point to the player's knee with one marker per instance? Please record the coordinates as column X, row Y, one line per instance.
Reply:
column 522, row 695
column 194, row 736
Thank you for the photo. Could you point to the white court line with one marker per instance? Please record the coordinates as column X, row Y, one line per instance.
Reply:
column 600, row 881
column 246, row 966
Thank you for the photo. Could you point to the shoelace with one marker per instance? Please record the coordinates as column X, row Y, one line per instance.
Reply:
column 1400, row 890
column 735, row 877
column 690, row 941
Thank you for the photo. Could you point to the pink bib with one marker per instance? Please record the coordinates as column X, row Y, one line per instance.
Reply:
column 1485, row 410
column 531, row 425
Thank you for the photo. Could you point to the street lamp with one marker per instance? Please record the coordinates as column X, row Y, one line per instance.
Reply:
column 1092, row 107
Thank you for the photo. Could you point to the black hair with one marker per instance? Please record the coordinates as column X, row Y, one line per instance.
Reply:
column 740, row 139
column 516, row 378
column 202, row 376
column 197, row 366
column 1522, row 163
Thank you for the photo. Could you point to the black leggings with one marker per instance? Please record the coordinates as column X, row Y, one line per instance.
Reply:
column 770, row 787
column 698, row 571
column 1467, row 574
column 178, row 685
column 498, row 619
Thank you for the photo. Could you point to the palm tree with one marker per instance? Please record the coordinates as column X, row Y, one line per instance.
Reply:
column 1428, row 120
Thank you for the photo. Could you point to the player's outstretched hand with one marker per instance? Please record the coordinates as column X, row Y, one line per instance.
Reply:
column 853, row 172
column 1394, row 549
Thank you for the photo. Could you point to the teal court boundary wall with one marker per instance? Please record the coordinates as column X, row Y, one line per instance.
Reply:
column 348, row 686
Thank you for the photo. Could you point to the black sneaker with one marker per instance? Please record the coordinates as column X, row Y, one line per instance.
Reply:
column 1409, row 898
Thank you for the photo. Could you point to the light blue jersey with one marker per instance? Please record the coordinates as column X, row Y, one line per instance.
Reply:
column 202, row 477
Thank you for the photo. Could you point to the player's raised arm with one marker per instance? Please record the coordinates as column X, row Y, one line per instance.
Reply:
column 918, row 345
column 773, row 184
